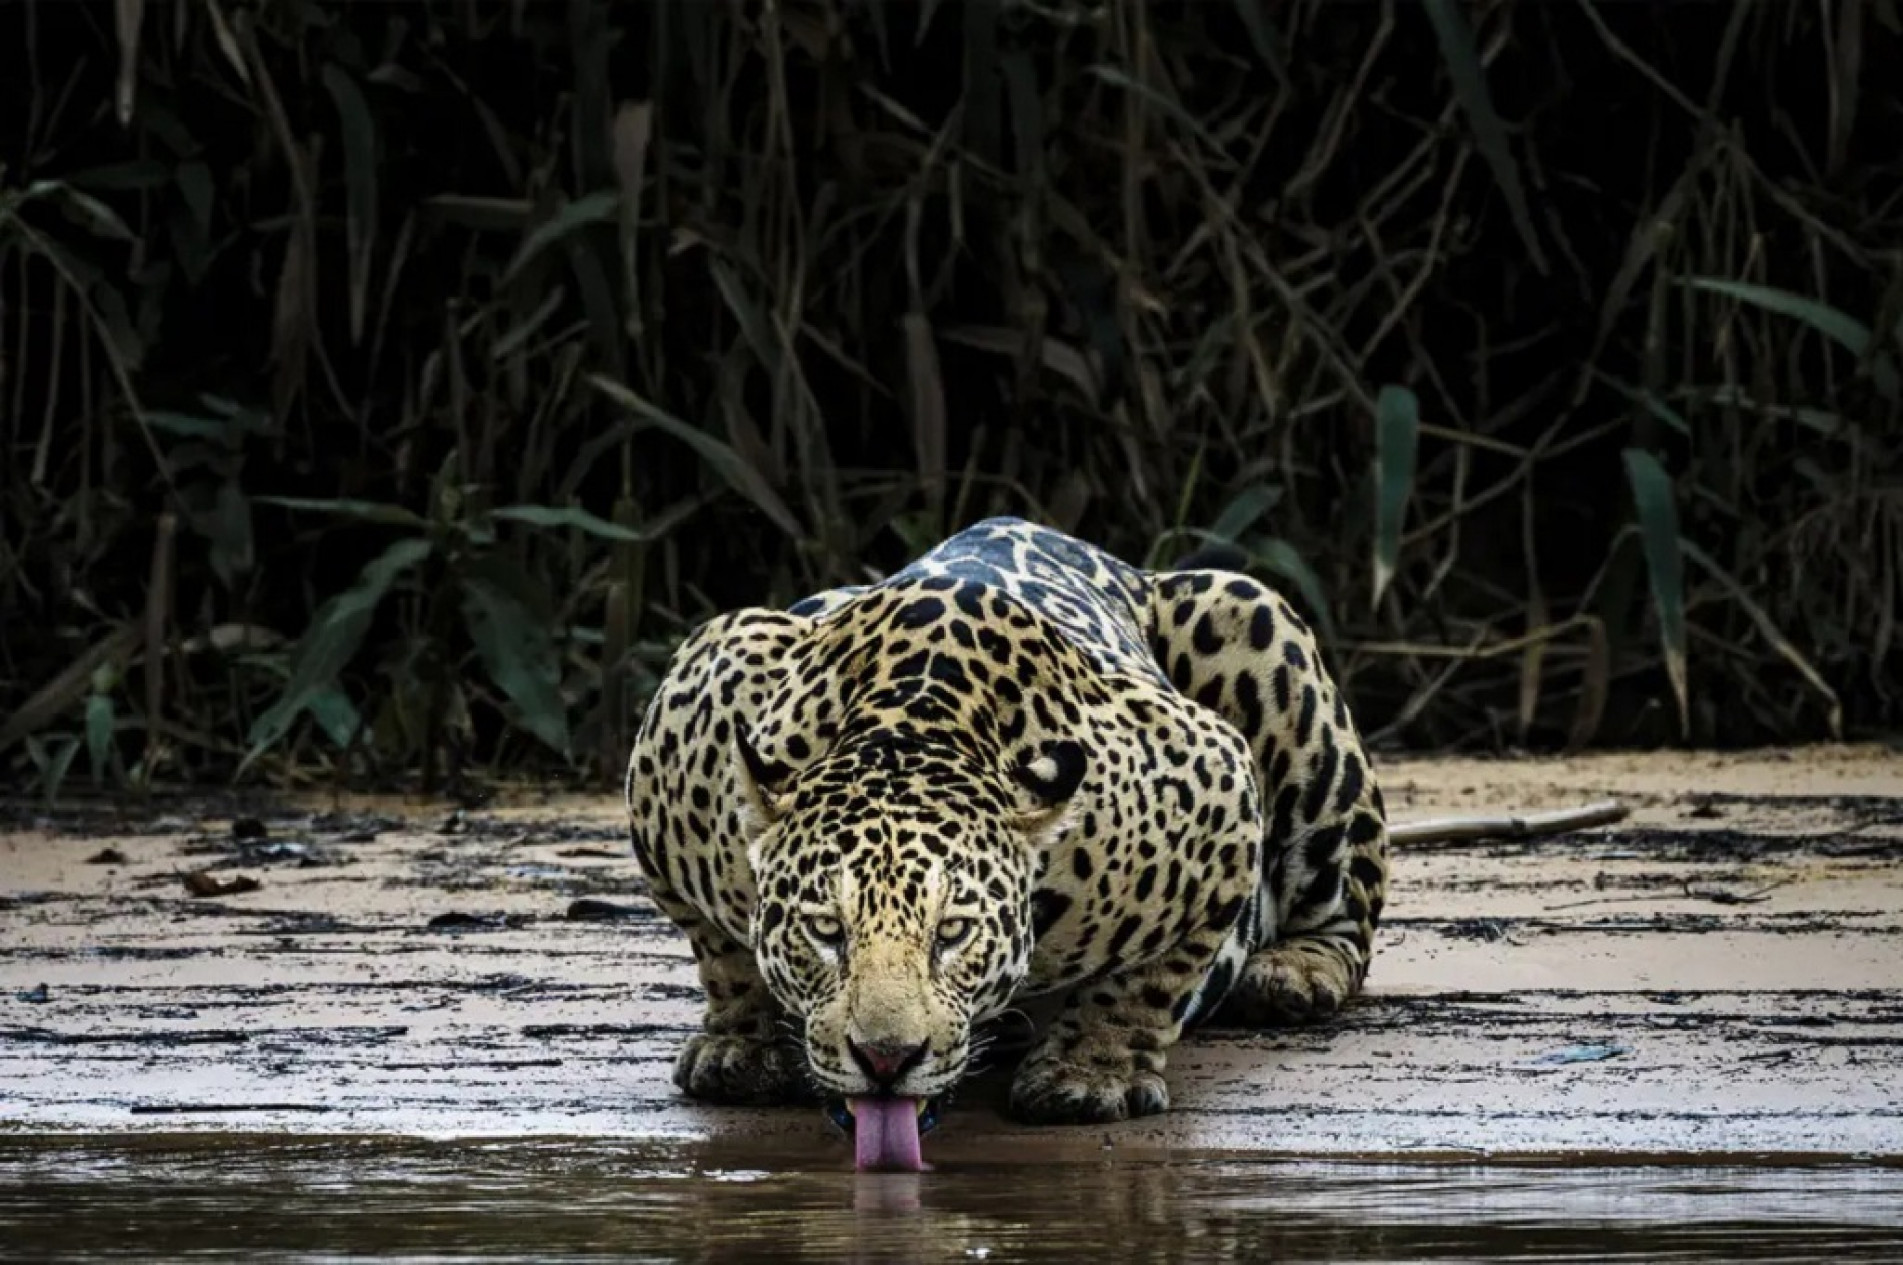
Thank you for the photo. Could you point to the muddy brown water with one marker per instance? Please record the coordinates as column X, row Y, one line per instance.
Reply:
column 323, row 1199
column 421, row 1034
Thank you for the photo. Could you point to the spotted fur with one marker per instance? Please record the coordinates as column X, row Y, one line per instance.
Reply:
column 1018, row 767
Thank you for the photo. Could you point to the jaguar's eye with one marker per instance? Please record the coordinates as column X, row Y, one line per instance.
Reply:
column 953, row 932
column 826, row 929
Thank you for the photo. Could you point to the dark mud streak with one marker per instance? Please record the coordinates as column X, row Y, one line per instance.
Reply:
column 547, row 1031
column 1874, row 808
column 1434, row 1018
column 1718, row 845
column 1840, row 922
column 203, row 1109
column 1567, row 1113
column 307, row 1038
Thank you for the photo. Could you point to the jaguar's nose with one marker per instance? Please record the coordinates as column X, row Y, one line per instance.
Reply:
column 886, row 1062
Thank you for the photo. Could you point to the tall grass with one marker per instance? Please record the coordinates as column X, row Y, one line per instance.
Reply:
column 386, row 387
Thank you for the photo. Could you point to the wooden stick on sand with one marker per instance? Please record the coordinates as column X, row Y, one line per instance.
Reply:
column 1441, row 830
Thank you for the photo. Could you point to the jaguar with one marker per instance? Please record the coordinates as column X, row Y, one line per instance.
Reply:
column 887, row 816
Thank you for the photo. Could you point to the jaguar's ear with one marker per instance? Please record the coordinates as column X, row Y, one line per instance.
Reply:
column 759, row 780
column 1053, row 778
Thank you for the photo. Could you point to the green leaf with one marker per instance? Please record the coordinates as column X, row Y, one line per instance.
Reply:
column 138, row 173
column 591, row 263
column 364, row 511
column 360, row 187
column 1026, row 109
column 482, row 214
column 328, row 645
column 727, row 463
column 232, row 423
column 592, row 209
column 1397, row 434
column 1267, row 41
column 56, row 697
column 568, row 516
column 55, row 766
column 191, row 244
column 755, row 324
column 926, row 11
column 1241, row 514
column 248, row 419
column 1664, row 564
column 75, row 270
column 115, row 322
column 100, row 718
column 82, row 209
column 1664, row 412
column 186, row 425
column 196, row 186
column 518, row 335
column 335, row 715
column 1837, row 326
column 229, row 527
column 1462, row 56
column 512, row 638
column 1844, row 330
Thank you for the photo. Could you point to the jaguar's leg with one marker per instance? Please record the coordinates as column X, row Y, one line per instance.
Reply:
column 1236, row 647
column 1103, row 1057
column 745, row 1052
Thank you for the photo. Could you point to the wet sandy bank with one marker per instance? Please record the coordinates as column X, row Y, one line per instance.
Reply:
column 1720, row 974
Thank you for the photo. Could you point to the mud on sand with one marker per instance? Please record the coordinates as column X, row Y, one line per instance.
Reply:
column 1721, row 974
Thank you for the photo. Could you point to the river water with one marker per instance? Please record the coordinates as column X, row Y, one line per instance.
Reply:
column 251, row 1197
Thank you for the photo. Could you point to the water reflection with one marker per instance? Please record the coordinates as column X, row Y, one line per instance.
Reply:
column 236, row 1198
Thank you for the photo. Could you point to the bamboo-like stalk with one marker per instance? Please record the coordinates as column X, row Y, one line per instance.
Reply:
column 1333, row 287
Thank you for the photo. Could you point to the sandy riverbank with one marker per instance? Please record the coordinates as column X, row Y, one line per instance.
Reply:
column 1722, row 973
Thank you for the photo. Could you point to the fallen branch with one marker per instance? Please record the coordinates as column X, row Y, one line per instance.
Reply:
column 1444, row 830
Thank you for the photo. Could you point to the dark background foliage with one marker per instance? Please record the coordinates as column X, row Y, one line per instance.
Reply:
column 385, row 387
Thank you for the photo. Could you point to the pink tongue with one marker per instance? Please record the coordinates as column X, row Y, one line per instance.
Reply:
column 885, row 1134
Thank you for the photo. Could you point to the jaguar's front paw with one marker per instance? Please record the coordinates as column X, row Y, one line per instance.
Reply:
column 743, row 1071
column 1086, row 1089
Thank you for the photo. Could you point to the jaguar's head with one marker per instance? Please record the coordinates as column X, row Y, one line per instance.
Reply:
column 893, row 881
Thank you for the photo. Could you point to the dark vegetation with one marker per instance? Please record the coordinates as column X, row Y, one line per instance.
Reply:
column 385, row 387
